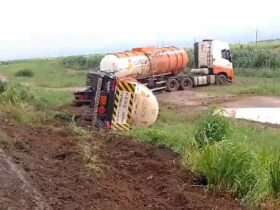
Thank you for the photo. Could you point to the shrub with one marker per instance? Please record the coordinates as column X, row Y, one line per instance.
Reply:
column 19, row 102
column 16, row 94
column 252, row 57
column 24, row 73
column 191, row 62
column 3, row 86
column 212, row 128
column 94, row 61
column 156, row 136
column 82, row 62
column 20, row 95
column 75, row 62
column 227, row 166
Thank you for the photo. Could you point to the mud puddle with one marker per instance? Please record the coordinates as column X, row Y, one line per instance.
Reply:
column 262, row 115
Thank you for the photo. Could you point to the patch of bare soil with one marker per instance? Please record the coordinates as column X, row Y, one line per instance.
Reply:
column 255, row 101
column 200, row 99
column 3, row 78
column 49, row 173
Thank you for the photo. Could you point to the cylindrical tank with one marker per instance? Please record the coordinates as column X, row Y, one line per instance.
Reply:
column 135, row 105
column 146, row 107
column 145, row 62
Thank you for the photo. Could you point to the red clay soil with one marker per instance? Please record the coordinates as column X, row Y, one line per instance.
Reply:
column 134, row 175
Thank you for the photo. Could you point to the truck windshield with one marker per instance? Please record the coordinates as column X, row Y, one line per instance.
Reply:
column 226, row 54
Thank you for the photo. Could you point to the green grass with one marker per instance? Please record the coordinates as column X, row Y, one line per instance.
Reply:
column 171, row 130
column 54, row 98
column 258, row 73
column 178, row 130
column 244, row 85
column 20, row 103
column 262, row 55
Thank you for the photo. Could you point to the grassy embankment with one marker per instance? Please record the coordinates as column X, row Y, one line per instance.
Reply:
column 36, row 88
column 245, row 162
column 54, row 79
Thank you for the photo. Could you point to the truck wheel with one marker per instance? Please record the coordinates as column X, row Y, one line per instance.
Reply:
column 151, row 83
column 221, row 80
column 172, row 84
column 186, row 83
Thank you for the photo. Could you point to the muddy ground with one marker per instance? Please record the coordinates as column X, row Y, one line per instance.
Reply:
column 45, row 168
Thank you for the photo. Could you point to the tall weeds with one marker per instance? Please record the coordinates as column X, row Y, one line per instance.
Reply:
column 252, row 57
column 20, row 103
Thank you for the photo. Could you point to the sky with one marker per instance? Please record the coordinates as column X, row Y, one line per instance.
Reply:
column 50, row 28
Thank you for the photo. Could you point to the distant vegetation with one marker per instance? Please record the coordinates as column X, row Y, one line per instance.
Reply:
column 82, row 62
column 257, row 56
column 261, row 60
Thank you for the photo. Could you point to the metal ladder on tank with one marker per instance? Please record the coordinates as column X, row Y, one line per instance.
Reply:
column 209, row 56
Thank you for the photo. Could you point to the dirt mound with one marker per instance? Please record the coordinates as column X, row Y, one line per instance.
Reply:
column 131, row 175
column 151, row 178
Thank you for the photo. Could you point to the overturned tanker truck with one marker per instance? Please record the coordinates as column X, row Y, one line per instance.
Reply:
column 120, row 93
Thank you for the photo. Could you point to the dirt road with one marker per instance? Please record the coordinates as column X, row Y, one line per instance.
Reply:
column 130, row 175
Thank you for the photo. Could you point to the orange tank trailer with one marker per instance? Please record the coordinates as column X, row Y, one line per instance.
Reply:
column 165, row 60
column 146, row 62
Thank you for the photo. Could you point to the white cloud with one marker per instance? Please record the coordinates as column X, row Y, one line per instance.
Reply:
column 55, row 27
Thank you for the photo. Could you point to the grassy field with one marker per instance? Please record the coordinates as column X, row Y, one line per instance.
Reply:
column 246, row 85
column 47, row 73
column 269, row 44
column 262, row 59
column 50, row 80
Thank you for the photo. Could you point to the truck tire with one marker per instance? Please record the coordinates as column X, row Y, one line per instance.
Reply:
column 151, row 83
column 221, row 79
column 186, row 83
column 172, row 84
